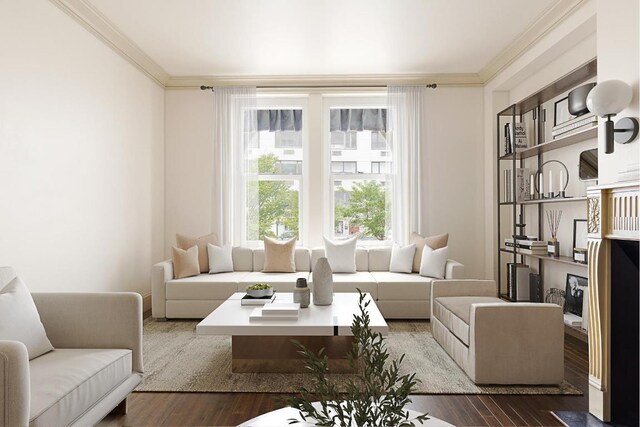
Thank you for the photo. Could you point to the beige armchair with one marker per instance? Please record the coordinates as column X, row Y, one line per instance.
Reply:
column 96, row 363
column 494, row 341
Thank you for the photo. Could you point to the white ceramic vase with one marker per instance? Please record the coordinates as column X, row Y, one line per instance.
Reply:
column 322, row 283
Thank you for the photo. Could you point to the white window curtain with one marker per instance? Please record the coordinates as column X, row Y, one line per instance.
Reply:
column 235, row 130
column 405, row 122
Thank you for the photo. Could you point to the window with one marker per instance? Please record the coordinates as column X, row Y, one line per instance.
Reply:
column 378, row 140
column 343, row 167
column 344, row 140
column 359, row 184
column 380, row 167
column 274, row 176
column 343, row 191
column 288, row 139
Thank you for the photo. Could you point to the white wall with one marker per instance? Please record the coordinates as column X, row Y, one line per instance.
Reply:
column 452, row 160
column 453, row 189
column 81, row 157
column 618, row 59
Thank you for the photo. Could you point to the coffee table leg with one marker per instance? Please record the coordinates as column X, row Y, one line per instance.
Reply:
column 277, row 354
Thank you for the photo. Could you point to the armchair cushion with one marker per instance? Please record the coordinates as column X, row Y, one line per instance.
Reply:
column 20, row 321
column 67, row 382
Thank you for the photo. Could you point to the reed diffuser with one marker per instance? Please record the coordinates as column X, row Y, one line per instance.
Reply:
column 553, row 219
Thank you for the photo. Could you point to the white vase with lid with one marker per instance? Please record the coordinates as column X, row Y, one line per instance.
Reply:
column 322, row 279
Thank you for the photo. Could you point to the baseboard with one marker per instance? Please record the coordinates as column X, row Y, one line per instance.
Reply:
column 146, row 302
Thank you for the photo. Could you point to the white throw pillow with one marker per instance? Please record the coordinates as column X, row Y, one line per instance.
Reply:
column 341, row 255
column 402, row 258
column 220, row 258
column 20, row 321
column 433, row 262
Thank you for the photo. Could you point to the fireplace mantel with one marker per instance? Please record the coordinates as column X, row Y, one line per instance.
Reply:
column 612, row 215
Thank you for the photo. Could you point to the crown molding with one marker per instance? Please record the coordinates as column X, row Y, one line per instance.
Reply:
column 542, row 25
column 91, row 19
column 352, row 80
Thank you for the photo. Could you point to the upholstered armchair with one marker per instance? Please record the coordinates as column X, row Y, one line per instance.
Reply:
column 96, row 363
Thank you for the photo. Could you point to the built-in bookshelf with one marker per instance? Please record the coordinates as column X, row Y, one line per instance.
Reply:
column 511, row 206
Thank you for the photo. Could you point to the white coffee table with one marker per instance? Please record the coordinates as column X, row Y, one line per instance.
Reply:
column 265, row 345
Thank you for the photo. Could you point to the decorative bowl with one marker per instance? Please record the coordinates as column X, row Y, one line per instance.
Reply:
column 259, row 293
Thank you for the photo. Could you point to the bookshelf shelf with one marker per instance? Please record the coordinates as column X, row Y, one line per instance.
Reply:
column 537, row 202
column 561, row 259
column 537, row 112
column 561, row 142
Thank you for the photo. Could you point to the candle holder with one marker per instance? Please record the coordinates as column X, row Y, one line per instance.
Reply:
column 539, row 174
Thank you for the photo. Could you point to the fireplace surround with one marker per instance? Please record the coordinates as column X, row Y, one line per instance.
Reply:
column 614, row 232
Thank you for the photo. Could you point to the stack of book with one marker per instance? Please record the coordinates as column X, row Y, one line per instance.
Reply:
column 574, row 125
column 276, row 311
column 249, row 300
column 527, row 246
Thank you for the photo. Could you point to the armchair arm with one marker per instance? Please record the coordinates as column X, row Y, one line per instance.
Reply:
column 519, row 343
column 93, row 320
column 453, row 270
column 161, row 273
column 15, row 388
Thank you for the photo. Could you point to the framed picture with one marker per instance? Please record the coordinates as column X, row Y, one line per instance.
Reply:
column 575, row 291
column 580, row 240
column 561, row 112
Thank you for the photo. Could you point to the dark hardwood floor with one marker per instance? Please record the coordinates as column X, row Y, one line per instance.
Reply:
column 230, row 409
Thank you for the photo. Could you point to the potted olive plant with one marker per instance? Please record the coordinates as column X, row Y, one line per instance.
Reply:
column 378, row 394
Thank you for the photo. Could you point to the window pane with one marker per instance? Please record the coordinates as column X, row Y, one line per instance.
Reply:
column 275, row 213
column 337, row 167
column 349, row 167
column 378, row 140
column 288, row 139
column 361, row 208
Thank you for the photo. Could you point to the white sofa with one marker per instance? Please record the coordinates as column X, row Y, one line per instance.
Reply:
column 494, row 341
column 398, row 295
column 96, row 363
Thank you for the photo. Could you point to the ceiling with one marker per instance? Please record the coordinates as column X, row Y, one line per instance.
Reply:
column 321, row 37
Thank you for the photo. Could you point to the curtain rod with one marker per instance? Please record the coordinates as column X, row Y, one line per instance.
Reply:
column 211, row 88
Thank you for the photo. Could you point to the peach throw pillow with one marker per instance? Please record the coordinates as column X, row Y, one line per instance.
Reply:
column 279, row 256
column 185, row 263
column 185, row 242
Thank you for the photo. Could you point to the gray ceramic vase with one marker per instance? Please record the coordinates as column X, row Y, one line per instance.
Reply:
column 322, row 283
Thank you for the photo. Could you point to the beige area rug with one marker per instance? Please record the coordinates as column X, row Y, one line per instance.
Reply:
column 175, row 359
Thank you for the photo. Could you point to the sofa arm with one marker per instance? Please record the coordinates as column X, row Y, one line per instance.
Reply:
column 161, row 273
column 516, row 343
column 453, row 270
column 15, row 389
column 93, row 320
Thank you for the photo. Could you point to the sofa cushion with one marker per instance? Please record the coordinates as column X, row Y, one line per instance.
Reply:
column 283, row 282
column 302, row 259
column 362, row 258
column 185, row 262
column 279, row 256
column 220, row 258
column 185, row 242
column 402, row 258
column 350, row 282
column 454, row 313
column 242, row 258
column 379, row 258
column 401, row 286
column 341, row 255
column 434, row 242
column 20, row 320
column 65, row 383
column 205, row 286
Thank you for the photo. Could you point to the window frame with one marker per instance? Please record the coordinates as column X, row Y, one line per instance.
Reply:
column 371, row 100
column 273, row 101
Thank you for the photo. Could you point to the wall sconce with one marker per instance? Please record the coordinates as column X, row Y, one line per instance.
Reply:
column 606, row 100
